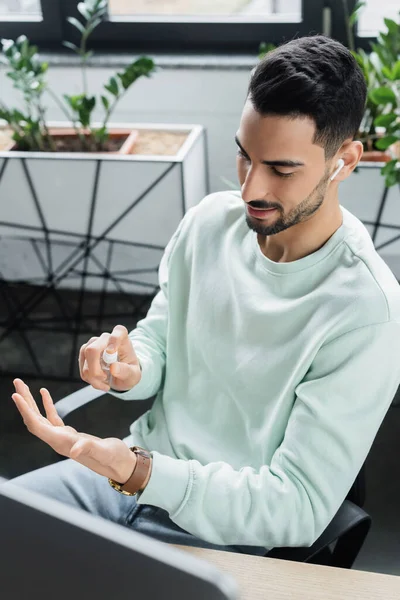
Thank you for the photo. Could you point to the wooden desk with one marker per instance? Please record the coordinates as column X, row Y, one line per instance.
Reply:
column 261, row 578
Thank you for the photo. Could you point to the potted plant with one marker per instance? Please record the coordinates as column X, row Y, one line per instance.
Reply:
column 28, row 73
column 380, row 71
column 132, row 158
column 373, row 200
column 85, row 204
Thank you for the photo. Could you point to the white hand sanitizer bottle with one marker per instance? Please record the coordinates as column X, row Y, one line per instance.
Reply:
column 107, row 360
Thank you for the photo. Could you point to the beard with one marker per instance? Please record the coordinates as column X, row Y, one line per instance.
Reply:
column 302, row 212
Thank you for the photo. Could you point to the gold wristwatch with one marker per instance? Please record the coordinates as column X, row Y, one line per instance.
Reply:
column 139, row 474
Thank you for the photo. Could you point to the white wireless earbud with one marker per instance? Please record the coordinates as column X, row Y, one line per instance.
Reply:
column 339, row 168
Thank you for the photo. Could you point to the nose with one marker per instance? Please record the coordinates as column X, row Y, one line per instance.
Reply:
column 254, row 185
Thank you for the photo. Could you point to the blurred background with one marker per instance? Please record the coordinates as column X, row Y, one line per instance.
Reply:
column 117, row 116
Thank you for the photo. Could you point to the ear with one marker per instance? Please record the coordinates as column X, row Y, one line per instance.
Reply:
column 340, row 166
column 351, row 153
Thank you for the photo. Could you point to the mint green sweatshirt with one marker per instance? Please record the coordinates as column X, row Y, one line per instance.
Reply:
column 272, row 379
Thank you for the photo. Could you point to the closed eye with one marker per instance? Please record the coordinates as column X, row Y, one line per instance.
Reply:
column 274, row 170
column 243, row 155
column 280, row 174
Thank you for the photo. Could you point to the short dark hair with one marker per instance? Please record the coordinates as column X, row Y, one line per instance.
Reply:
column 316, row 77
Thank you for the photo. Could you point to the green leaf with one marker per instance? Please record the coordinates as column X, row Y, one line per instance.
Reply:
column 389, row 167
column 89, row 103
column 391, row 180
column 101, row 135
column 264, row 48
column 391, row 173
column 355, row 14
column 7, row 47
column 385, row 120
column 383, row 95
column 387, row 73
column 145, row 64
column 392, row 26
column 112, row 86
column 74, row 102
column 396, row 71
column 18, row 116
column 83, row 10
column 23, row 44
column 76, row 24
column 71, row 46
column 105, row 102
column 142, row 67
column 385, row 142
column 85, row 106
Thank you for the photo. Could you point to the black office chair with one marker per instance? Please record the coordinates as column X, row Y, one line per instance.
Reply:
column 339, row 544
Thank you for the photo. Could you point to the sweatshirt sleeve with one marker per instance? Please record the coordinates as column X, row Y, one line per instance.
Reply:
column 149, row 336
column 338, row 409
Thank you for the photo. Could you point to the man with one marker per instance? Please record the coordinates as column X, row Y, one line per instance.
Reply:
column 272, row 346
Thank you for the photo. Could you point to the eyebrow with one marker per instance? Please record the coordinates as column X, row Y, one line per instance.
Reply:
column 273, row 163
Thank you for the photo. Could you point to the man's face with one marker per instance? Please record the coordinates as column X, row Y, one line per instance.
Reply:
column 281, row 169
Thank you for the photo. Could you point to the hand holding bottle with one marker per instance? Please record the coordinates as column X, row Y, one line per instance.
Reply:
column 110, row 361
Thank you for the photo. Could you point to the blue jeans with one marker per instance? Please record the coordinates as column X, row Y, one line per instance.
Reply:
column 72, row 483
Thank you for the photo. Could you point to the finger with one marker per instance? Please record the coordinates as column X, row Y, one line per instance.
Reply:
column 22, row 389
column 95, row 382
column 93, row 354
column 61, row 439
column 30, row 417
column 118, row 336
column 124, row 376
column 81, row 358
column 120, row 342
column 51, row 412
column 100, row 385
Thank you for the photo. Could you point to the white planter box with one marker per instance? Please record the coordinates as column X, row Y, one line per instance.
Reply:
column 94, row 213
column 365, row 195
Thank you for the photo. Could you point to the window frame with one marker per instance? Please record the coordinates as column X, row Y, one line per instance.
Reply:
column 204, row 35
column 46, row 30
column 178, row 35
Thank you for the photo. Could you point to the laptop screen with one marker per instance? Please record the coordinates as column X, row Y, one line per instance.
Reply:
column 52, row 551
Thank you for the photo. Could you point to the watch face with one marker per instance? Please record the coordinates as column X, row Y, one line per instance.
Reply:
column 141, row 451
column 118, row 487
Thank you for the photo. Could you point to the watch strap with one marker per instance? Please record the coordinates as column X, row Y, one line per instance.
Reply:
column 139, row 473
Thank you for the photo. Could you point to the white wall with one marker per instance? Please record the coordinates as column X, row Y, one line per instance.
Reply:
column 212, row 97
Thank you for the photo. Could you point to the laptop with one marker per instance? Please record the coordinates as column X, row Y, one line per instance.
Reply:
column 49, row 550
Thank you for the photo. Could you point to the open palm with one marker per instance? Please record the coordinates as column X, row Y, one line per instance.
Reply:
column 110, row 457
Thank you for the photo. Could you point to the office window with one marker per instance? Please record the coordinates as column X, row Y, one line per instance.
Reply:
column 270, row 10
column 184, row 26
column 372, row 17
column 39, row 20
column 207, row 25
column 20, row 8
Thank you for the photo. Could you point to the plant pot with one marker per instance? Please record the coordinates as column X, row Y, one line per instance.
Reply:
column 6, row 141
column 123, row 139
column 111, row 212
column 375, row 156
column 395, row 150
column 364, row 193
